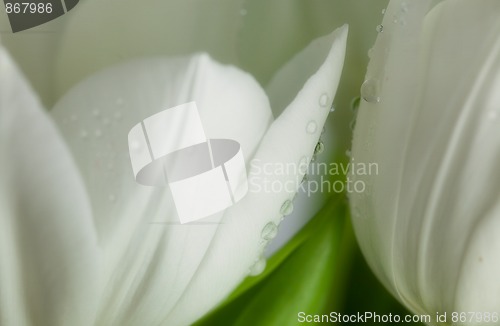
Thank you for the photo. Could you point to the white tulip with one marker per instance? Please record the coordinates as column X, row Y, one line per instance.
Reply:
column 429, row 222
column 256, row 36
column 82, row 243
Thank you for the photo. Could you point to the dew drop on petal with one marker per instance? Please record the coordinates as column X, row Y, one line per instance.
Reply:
column 383, row 11
column 311, row 127
column 370, row 52
column 380, row 28
column 404, row 7
column 370, row 91
column 258, row 267
column 323, row 100
column 286, row 208
column 320, row 147
column 304, row 179
column 303, row 165
column 332, row 108
column 269, row 231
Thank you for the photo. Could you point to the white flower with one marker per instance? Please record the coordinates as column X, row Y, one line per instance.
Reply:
column 81, row 243
column 256, row 36
column 429, row 223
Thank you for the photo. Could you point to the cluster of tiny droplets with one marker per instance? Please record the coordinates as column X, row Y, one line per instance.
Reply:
column 98, row 133
column 270, row 230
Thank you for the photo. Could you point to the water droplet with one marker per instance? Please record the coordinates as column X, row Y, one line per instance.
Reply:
column 370, row 91
column 117, row 115
column 96, row 113
column 243, row 12
column 98, row 133
column 111, row 198
column 332, row 108
column 258, row 267
column 83, row 134
column 383, row 11
column 303, row 165
column 304, row 179
column 380, row 28
column 311, row 127
column 320, row 147
column 370, row 52
column 269, row 231
column 74, row 118
column 323, row 100
column 286, row 208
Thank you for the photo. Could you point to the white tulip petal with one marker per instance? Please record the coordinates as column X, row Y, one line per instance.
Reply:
column 49, row 258
column 295, row 133
column 289, row 80
column 437, row 97
column 374, row 216
column 281, row 90
column 151, row 257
